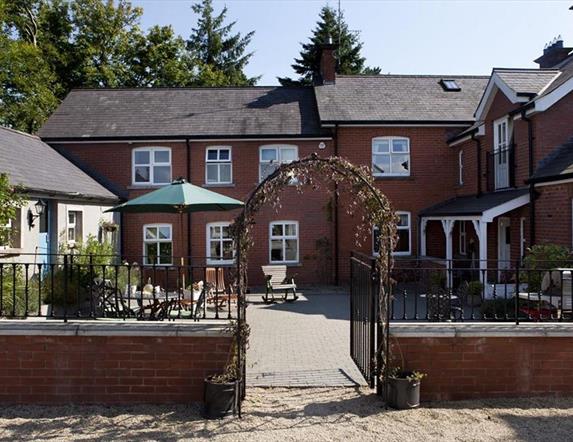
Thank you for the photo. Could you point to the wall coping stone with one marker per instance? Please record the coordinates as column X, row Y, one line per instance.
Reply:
column 113, row 328
column 482, row 329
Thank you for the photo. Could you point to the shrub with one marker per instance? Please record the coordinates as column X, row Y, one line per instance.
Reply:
column 540, row 258
column 14, row 302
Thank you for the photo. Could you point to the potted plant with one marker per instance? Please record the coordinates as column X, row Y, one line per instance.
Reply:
column 472, row 293
column 222, row 390
column 404, row 389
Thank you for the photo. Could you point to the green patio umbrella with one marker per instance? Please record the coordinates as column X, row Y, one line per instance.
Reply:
column 179, row 197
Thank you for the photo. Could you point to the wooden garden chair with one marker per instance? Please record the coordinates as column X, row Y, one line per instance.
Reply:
column 276, row 279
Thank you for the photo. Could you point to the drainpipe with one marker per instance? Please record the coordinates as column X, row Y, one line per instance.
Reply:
column 532, row 194
column 336, row 246
column 188, row 156
column 478, row 150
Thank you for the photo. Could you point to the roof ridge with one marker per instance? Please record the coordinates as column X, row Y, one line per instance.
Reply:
column 19, row 132
column 411, row 76
column 535, row 70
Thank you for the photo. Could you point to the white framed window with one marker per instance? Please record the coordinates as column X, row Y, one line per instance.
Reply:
column 272, row 156
column 404, row 231
column 74, row 226
column 151, row 166
column 220, row 245
column 283, row 242
column 462, row 238
column 157, row 244
column 461, row 168
column 391, row 156
column 218, row 165
column 6, row 233
column 501, row 152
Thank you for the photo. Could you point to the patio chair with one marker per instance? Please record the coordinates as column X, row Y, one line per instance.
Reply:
column 188, row 305
column 110, row 301
column 217, row 292
column 276, row 279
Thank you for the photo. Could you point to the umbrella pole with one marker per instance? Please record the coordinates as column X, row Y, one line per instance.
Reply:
column 182, row 261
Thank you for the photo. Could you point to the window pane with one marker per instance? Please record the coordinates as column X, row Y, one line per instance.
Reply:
column 165, row 251
column 151, row 233
column 215, row 249
column 151, row 252
column 165, row 232
column 403, row 220
column 141, row 157
column 268, row 155
column 380, row 164
column 71, row 234
column 403, row 241
column 376, row 238
column 212, row 154
column 277, row 250
column 225, row 172
column 71, row 217
column 277, row 230
column 400, row 164
column 267, row 169
column 228, row 249
column 212, row 173
column 162, row 156
column 162, row 174
column 400, row 146
column 224, row 154
column 290, row 250
column 288, row 154
column 290, row 229
column 215, row 232
column 141, row 174
column 382, row 146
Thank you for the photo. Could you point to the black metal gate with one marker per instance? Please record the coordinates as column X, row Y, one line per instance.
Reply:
column 364, row 316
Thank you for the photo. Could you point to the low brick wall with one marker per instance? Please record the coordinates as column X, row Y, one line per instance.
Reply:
column 487, row 361
column 42, row 363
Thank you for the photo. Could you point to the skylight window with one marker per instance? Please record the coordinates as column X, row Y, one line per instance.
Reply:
column 450, row 85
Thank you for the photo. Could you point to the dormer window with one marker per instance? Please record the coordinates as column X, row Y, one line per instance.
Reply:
column 450, row 85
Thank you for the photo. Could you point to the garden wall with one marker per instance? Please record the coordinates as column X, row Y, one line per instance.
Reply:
column 467, row 361
column 108, row 363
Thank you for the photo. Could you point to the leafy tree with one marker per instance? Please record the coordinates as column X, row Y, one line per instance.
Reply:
column 10, row 202
column 349, row 59
column 219, row 53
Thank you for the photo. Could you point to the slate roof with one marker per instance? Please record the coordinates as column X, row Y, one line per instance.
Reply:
column 557, row 165
column 473, row 205
column 527, row 81
column 387, row 98
column 37, row 167
column 184, row 112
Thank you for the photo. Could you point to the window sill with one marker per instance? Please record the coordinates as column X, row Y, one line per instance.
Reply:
column 394, row 178
column 145, row 186
column 219, row 185
column 288, row 264
column 7, row 253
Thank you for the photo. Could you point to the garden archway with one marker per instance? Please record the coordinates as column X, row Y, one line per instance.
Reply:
column 315, row 171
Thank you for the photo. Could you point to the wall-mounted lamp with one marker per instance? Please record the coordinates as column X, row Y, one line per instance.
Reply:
column 39, row 208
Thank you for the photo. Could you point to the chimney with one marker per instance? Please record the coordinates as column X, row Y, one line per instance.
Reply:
column 553, row 54
column 327, row 63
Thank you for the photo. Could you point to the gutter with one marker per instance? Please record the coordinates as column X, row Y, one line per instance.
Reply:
column 549, row 178
column 399, row 122
column 126, row 138
column 71, row 195
column 532, row 193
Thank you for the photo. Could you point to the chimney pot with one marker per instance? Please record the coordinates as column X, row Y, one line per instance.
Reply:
column 553, row 53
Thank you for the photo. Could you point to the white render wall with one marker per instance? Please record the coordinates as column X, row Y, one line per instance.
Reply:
column 29, row 237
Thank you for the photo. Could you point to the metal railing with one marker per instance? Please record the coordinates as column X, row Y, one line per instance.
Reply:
column 514, row 293
column 95, row 287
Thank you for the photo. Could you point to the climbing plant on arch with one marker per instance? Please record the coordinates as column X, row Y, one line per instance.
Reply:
column 364, row 200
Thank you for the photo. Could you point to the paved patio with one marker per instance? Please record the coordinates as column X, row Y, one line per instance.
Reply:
column 301, row 344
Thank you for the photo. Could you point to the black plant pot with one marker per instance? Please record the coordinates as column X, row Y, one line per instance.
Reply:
column 220, row 398
column 403, row 394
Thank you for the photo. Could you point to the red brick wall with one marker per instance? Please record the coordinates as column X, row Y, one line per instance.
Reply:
column 489, row 367
column 553, row 127
column 108, row 369
column 553, row 214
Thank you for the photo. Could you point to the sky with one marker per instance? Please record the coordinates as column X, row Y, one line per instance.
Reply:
column 399, row 36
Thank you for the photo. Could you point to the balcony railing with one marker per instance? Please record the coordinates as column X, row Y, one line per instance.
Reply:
column 500, row 169
column 95, row 287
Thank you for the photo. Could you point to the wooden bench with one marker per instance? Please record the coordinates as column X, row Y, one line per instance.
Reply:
column 276, row 278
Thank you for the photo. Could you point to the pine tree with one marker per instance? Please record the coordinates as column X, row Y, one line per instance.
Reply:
column 219, row 53
column 349, row 59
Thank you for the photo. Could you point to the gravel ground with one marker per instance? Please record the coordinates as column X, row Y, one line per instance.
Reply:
column 300, row 414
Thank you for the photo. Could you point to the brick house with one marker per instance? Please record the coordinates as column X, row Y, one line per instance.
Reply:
column 472, row 164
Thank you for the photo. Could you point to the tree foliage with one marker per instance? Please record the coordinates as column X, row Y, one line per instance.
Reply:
column 221, row 55
column 48, row 47
column 348, row 53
